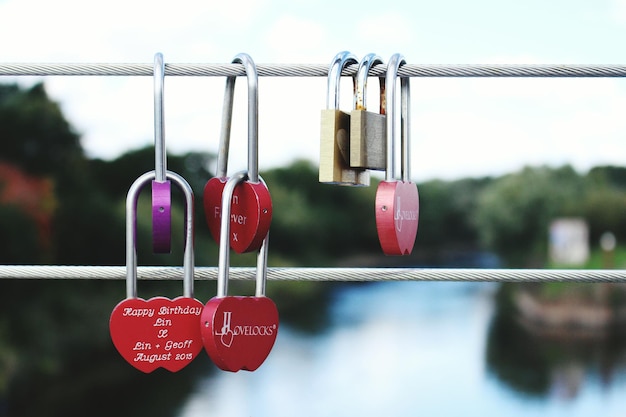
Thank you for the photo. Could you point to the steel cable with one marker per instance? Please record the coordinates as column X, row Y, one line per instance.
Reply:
column 308, row 70
column 319, row 274
column 315, row 274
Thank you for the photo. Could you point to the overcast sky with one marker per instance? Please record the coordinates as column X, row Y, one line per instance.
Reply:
column 460, row 127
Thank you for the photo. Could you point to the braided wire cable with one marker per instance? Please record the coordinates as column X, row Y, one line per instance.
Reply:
column 314, row 274
column 319, row 274
column 308, row 70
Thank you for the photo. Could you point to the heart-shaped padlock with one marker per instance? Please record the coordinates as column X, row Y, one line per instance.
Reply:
column 397, row 202
column 238, row 332
column 251, row 213
column 161, row 187
column 250, row 217
column 159, row 332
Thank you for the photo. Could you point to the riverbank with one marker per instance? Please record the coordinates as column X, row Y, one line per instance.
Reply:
column 571, row 311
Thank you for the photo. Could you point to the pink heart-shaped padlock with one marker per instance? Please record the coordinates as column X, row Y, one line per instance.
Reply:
column 239, row 332
column 250, row 216
column 157, row 333
column 397, row 215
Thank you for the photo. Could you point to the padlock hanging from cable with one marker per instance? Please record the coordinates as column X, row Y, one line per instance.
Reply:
column 397, row 201
column 334, row 165
column 238, row 332
column 251, row 214
column 158, row 332
column 368, row 142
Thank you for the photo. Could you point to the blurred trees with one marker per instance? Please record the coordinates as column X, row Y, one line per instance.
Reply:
column 78, row 204
column 36, row 136
column 58, row 207
column 514, row 213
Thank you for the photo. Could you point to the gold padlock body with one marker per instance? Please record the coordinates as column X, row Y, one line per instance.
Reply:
column 368, row 140
column 335, row 152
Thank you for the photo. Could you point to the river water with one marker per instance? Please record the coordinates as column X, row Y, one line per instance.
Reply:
column 412, row 349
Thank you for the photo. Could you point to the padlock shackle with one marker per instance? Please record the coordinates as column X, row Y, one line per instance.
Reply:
column 339, row 62
column 223, row 263
column 395, row 62
column 131, row 232
column 261, row 267
column 253, row 120
column 405, row 118
column 160, row 158
column 360, row 96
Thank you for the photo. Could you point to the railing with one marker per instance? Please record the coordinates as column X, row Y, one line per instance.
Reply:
column 315, row 274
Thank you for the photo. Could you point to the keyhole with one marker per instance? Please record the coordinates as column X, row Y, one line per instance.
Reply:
column 384, row 208
column 161, row 209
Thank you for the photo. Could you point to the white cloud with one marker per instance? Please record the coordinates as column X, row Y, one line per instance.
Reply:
column 386, row 33
column 293, row 39
column 618, row 10
column 491, row 126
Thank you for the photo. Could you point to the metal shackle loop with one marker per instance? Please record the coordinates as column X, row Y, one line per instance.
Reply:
column 160, row 159
column 253, row 120
column 405, row 127
column 224, row 244
column 131, row 232
column 261, row 267
column 395, row 62
column 365, row 65
column 339, row 62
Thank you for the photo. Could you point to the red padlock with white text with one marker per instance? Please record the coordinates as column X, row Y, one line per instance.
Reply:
column 159, row 332
column 251, row 212
column 397, row 202
column 238, row 332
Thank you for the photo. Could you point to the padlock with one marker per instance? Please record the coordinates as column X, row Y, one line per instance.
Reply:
column 251, row 214
column 238, row 332
column 368, row 143
column 159, row 332
column 397, row 202
column 161, row 187
column 335, row 133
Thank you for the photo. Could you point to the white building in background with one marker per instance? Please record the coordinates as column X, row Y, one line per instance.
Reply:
column 569, row 241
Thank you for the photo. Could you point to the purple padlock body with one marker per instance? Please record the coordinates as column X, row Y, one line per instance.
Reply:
column 161, row 217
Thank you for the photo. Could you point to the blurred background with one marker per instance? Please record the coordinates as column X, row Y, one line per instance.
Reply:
column 399, row 348
column 512, row 173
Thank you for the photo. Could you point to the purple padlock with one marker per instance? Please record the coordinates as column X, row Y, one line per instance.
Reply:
column 161, row 216
column 161, row 186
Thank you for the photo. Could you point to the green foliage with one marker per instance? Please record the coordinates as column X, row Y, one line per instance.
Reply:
column 318, row 224
column 604, row 208
column 19, row 244
column 447, row 211
column 514, row 212
column 611, row 176
column 36, row 136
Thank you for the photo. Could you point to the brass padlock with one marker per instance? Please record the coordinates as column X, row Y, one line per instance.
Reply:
column 368, row 144
column 335, row 133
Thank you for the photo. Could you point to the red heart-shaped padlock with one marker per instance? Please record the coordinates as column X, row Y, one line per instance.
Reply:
column 397, row 215
column 239, row 332
column 250, row 215
column 157, row 333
